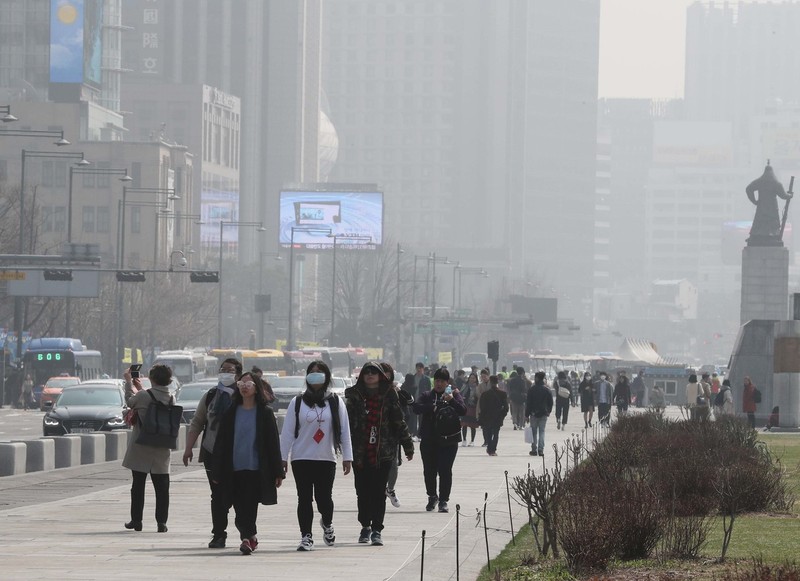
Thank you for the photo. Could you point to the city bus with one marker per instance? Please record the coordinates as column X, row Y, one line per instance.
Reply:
column 336, row 358
column 48, row 357
column 268, row 360
column 187, row 366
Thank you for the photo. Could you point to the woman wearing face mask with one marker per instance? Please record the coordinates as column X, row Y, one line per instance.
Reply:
column 586, row 389
column 206, row 419
column 315, row 430
column 376, row 428
column 247, row 457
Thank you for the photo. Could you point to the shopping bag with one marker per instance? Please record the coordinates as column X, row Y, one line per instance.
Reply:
column 529, row 434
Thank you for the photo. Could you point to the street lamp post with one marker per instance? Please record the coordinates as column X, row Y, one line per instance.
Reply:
column 397, row 309
column 222, row 223
column 166, row 213
column 308, row 230
column 464, row 270
column 432, row 259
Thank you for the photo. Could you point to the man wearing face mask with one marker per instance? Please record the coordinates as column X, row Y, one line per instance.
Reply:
column 210, row 409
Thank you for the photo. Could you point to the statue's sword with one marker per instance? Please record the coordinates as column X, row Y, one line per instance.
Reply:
column 786, row 207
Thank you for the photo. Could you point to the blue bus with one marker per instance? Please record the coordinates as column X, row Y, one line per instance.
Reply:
column 48, row 357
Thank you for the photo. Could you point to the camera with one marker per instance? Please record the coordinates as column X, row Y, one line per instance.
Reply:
column 136, row 371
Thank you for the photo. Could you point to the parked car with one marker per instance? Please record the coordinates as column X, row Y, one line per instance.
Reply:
column 189, row 395
column 52, row 389
column 86, row 408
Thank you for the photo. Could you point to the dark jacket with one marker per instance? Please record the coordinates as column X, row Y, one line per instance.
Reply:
column 622, row 391
column 269, row 452
column 518, row 388
column 540, row 401
column 494, row 407
column 393, row 428
column 426, row 405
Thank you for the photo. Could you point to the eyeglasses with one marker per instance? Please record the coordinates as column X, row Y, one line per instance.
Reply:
column 245, row 384
column 371, row 371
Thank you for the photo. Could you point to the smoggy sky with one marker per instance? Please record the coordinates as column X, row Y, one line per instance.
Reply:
column 642, row 47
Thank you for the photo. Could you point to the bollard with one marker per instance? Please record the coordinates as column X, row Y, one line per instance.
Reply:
column 93, row 448
column 116, row 444
column 40, row 455
column 67, row 451
column 13, row 458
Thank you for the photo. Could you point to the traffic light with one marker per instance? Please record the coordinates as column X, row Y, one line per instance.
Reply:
column 204, row 276
column 493, row 350
column 58, row 275
column 130, row 276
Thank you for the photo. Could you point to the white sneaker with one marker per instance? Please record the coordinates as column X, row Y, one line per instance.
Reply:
column 471, row 444
column 327, row 534
column 464, row 444
column 392, row 496
column 306, row 543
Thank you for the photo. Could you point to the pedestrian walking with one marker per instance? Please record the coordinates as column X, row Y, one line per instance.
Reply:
column 586, row 389
column 405, row 400
column 376, row 428
column 518, row 386
column 206, row 421
column 538, row 407
column 563, row 390
column 247, row 457
column 622, row 394
column 603, row 393
column 469, row 421
column 440, row 433
column 315, row 431
column 141, row 459
column 494, row 407
column 638, row 388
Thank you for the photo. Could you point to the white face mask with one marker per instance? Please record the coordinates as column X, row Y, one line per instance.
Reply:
column 227, row 379
column 315, row 378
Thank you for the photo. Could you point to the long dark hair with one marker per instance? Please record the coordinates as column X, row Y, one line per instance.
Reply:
column 261, row 399
column 384, row 381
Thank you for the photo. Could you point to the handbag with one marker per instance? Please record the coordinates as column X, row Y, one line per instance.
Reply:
column 529, row 434
column 131, row 417
column 564, row 392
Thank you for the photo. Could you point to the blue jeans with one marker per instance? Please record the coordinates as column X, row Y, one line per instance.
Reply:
column 537, row 425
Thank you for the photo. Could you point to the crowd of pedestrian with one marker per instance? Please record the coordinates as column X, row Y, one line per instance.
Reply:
column 371, row 429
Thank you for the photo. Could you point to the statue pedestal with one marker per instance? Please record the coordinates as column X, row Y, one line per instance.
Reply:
column 765, row 284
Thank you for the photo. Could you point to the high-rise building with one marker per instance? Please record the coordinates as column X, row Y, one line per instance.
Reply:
column 479, row 121
column 264, row 52
column 740, row 58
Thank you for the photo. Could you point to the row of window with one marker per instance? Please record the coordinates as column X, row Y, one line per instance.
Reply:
column 94, row 219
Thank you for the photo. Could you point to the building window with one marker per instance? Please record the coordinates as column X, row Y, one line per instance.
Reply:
column 3, row 171
column 669, row 387
column 88, row 180
column 47, row 219
column 103, row 180
column 60, row 174
column 59, row 219
column 88, row 218
column 47, row 173
column 103, row 219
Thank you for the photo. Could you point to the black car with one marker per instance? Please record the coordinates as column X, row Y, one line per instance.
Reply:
column 189, row 395
column 86, row 408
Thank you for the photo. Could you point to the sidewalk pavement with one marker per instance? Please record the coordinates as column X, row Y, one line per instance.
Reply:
column 67, row 524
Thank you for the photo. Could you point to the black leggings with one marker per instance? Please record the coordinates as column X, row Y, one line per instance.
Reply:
column 161, row 487
column 370, row 484
column 464, row 433
column 314, row 481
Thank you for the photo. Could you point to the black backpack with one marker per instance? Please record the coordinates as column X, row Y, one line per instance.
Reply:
column 337, row 428
column 447, row 424
column 160, row 424
column 719, row 399
column 756, row 395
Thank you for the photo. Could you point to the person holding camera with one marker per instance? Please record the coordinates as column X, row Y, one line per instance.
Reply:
column 141, row 459
column 440, row 432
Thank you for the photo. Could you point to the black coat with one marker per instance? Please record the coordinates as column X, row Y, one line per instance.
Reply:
column 268, row 444
column 494, row 407
column 425, row 406
column 540, row 401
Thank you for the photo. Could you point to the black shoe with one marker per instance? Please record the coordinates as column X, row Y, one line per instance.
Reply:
column 363, row 538
column 432, row 500
column 443, row 507
column 162, row 527
column 532, row 453
column 375, row 539
column 137, row 526
column 541, row 453
column 217, row 543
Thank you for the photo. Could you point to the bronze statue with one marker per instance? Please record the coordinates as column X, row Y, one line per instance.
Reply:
column 767, row 229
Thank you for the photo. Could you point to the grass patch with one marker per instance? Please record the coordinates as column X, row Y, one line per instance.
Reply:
column 775, row 538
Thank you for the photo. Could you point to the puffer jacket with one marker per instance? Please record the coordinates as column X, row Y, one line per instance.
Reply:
column 393, row 428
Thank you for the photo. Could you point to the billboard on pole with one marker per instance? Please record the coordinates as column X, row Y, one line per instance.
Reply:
column 355, row 214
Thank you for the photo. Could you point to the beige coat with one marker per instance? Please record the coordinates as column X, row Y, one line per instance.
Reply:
column 142, row 458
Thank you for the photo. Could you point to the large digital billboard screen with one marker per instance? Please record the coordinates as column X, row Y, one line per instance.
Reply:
column 66, row 41
column 311, row 219
column 219, row 206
